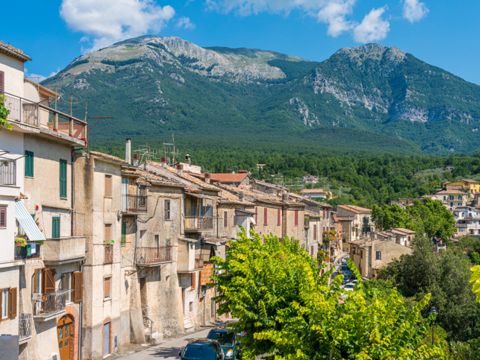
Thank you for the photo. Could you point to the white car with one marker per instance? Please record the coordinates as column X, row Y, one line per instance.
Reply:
column 349, row 286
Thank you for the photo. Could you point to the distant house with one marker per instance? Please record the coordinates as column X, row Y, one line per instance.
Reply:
column 310, row 180
column 315, row 194
column 356, row 222
column 400, row 236
column 232, row 179
column 452, row 198
column 468, row 185
column 467, row 220
column 370, row 256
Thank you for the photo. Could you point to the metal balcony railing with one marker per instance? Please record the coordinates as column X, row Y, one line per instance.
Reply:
column 24, row 326
column 153, row 255
column 198, row 223
column 32, row 250
column 199, row 263
column 108, row 254
column 39, row 115
column 48, row 304
column 8, row 172
column 135, row 203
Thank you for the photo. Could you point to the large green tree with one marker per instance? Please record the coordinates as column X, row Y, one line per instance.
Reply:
column 290, row 310
column 427, row 217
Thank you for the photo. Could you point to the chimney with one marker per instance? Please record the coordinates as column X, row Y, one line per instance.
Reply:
column 284, row 196
column 207, row 178
column 128, row 151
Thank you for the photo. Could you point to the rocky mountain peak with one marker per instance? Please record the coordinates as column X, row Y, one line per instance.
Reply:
column 375, row 52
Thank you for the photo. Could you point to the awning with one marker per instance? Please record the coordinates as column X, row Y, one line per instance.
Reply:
column 27, row 223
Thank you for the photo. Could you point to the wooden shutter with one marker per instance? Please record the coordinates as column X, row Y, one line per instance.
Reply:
column 107, row 285
column 124, row 233
column 194, row 280
column 63, row 178
column 29, row 161
column 2, row 82
column 108, row 185
column 77, row 287
column 55, row 227
column 315, row 232
column 48, row 281
column 12, row 303
column 296, row 217
column 107, row 233
column 279, row 217
column 265, row 216
column 225, row 219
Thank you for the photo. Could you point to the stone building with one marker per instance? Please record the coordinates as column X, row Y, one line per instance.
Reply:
column 356, row 223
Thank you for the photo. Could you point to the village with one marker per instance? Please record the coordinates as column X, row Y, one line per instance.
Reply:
column 100, row 252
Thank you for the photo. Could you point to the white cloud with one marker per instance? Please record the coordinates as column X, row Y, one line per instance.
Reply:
column 185, row 23
column 373, row 27
column 331, row 12
column 414, row 10
column 107, row 21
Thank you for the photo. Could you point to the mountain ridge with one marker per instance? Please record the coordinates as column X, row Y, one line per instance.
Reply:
column 174, row 85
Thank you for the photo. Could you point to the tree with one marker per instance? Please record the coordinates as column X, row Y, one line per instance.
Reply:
column 289, row 310
column 4, row 114
column 426, row 217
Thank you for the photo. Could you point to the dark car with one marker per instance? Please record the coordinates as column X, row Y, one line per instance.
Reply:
column 202, row 349
column 227, row 340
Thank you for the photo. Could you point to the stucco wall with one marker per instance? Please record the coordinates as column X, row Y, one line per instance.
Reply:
column 13, row 70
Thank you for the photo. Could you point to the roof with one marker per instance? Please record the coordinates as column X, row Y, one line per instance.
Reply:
column 403, row 231
column 13, row 52
column 151, row 178
column 453, row 191
column 108, row 157
column 228, row 177
column 355, row 209
column 313, row 191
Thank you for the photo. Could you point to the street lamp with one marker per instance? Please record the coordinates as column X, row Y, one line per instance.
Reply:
column 433, row 314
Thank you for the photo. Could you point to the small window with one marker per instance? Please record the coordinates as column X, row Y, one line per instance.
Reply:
column 167, row 210
column 225, row 219
column 279, row 217
column 63, row 178
column 190, row 306
column 56, row 227
column 108, row 185
column 29, row 162
column 265, row 216
column 4, row 303
column 378, row 255
column 3, row 217
column 296, row 217
column 67, row 285
column 315, row 232
column 124, row 233
column 107, row 233
column 107, row 287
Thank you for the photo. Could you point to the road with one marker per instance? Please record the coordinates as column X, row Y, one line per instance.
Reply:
column 169, row 349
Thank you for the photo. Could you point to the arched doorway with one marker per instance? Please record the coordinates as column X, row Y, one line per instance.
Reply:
column 65, row 333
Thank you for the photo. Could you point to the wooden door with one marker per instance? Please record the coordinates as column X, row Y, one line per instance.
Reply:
column 65, row 332
column 107, row 345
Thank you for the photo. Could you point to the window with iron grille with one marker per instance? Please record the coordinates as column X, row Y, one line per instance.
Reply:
column 167, row 210
column 3, row 217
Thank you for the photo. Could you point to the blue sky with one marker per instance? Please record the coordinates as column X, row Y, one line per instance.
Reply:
column 441, row 32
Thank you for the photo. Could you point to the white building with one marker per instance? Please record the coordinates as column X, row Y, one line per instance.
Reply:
column 467, row 220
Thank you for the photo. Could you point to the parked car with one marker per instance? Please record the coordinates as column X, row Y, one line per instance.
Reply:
column 228, row 341
column 202, row 349
column 349, row 286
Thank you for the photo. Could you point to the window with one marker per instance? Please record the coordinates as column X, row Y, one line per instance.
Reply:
column 190, row 306
column 312, row 250
column 107, row 287
column 4, row 302
column 56, row 227
column 315, row 232
column 108, row 185
column 63, row 178
column 67, row 285
column 265, row 216
column 157, row 241
column 378, row 255
column 256, row 215
column 3, row 217
column 279, row 217
column 29, row 168
column 225, row 219
column 296, row 217
column 124, row 233
column 107, row 232
column 167, row 210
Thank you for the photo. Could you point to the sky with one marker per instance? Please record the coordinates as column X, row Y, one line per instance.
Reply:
column 441, row 32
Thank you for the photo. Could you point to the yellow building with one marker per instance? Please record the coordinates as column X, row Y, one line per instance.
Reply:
column 472, row 186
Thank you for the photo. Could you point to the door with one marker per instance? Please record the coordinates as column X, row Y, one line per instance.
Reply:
column 65, row 332
column 107, row 346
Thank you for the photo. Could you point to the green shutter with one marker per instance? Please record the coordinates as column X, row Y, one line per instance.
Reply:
column 124, row 233
column 29, row 163
column 63, row 178
column 55, row 227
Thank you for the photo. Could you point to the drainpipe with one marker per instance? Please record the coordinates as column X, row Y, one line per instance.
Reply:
column 80, row 327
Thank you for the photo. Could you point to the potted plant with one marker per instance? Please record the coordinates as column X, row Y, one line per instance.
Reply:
column 20, row 242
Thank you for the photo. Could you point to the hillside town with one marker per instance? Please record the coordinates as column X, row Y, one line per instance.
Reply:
column 99, row 253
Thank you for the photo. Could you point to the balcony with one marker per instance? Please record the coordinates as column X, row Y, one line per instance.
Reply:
column 63, row 250
column 27, row 113
column 48, row 306
column 108, row 254
column 8, row 173
column 30, row 251
column 24, row 328
column 151, row 256
column 198, row 223
column 134, row 204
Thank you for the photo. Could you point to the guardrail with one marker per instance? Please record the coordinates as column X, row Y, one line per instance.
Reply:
column 8, row 172
column 153, row 255
column 48, row 304
column 198, row 222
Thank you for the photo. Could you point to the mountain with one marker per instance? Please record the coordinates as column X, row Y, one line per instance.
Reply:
column 365, row 98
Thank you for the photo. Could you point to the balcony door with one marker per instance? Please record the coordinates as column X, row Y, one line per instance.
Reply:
column 65, row 332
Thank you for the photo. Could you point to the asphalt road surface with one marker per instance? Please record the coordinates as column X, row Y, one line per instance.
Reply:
column 169, row 349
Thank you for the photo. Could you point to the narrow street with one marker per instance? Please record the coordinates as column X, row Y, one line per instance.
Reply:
column 169, row 349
